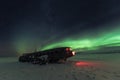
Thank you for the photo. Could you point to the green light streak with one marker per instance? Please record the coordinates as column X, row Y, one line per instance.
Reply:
column 71, row 43
column 110, row 39
column 24, row 45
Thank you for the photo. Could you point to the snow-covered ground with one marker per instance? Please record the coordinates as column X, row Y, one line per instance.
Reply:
column 79, row 67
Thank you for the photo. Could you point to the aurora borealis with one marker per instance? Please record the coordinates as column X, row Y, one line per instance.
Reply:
column 110, row 39
column 27, row 26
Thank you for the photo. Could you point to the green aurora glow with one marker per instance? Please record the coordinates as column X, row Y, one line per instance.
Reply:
column 109, row 39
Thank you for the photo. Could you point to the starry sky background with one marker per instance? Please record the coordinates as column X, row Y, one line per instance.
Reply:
column 29, row 24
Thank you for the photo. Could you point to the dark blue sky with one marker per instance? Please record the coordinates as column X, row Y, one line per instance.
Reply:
column 41, row 19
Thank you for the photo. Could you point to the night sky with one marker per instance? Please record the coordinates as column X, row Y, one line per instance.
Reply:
column 26, row 25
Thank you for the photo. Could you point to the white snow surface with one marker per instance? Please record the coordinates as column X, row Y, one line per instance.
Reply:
column 74, row 69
